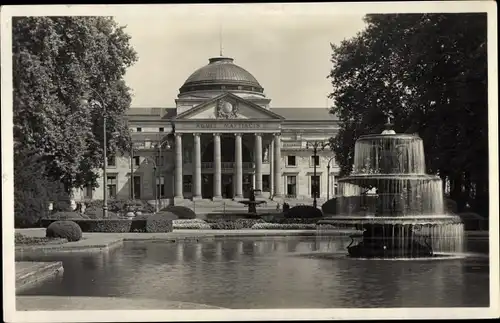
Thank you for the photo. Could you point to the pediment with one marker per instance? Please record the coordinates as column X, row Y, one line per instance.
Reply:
column 228, row 106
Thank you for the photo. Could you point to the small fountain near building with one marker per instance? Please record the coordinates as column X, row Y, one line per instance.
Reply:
column 389, row 197
column 252, row 202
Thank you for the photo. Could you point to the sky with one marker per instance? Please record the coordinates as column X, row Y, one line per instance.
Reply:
column 288, row 53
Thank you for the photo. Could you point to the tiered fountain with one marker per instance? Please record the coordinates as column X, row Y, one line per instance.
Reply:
column 394, row 202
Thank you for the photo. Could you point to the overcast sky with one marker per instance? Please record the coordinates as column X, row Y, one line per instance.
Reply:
column 289, row 54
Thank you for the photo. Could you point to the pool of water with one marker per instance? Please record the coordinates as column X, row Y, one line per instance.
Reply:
column 269, row 272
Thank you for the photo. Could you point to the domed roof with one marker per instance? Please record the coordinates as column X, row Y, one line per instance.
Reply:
column 221, row 73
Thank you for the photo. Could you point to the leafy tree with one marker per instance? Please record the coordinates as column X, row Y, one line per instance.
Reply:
column 431, row 71
column 57, row 62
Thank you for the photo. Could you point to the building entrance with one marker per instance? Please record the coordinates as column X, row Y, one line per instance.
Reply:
column 227, row 186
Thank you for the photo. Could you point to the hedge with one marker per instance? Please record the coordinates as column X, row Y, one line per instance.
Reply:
column 195, row 224
column 64, row 229
column 294, row 220
column 304, row 211
column 182, row 212
column 161, row 222
column 330, row 207
column 278, row 226
column 121, row 206
column 67, row 215
column 239, row 224
column 121, row 225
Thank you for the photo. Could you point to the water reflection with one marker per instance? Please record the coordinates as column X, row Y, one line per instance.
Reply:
column 292, row 272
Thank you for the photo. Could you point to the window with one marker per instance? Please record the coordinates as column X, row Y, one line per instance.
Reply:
column 139, row 129
column 137, row 160
column 88, row 192
column 266, row 185
column 111, row 161
column 314, row 161
column 291, row 186
column 315, row 188
column 112, row 186
column 187, row 183
column 162, row 129
column 291, row 161
column 160, row 186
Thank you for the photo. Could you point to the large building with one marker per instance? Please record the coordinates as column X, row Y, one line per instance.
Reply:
column 222, row 139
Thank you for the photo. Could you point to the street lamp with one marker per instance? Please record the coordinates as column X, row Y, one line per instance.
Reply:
column 166, row 141
column 328, row 178
column 315, row 146
column 156, row 186
column 102, row 105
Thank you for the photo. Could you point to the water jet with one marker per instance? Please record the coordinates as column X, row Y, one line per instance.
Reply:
column 397, row 206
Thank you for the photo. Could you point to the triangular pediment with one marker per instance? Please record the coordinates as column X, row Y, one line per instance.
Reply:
column 228, row 106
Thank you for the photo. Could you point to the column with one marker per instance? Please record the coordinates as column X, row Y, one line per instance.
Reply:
column 258, row 161
column 271, row 167
column 178, row 167
column 217, row 168
column 277, row 166
column 197, row 166
column 238, row 166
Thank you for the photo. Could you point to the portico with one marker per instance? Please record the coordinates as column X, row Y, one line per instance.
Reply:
column 222, row 148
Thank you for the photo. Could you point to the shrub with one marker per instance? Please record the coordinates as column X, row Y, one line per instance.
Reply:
column 182, row 212
column 33, row 190
column 67, row 216
column 62, row 206
column 450, row 205
column 105, row 225
column 64, row 229
column 278, row 226
column 121, row 205
column 294, row 220
column 196, row 224
column 304, row 211
column 239, row 224
column 97, row 213
column 161, row 222
column 473, row 221
column 21, row 239
column 330, row 207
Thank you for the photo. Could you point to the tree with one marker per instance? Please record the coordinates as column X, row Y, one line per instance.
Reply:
column 57, row 62
column 431, row 71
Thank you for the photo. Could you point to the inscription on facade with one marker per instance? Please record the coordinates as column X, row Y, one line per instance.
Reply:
column 228, row 125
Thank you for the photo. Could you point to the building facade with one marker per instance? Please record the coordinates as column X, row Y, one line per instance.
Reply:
column 221, row 140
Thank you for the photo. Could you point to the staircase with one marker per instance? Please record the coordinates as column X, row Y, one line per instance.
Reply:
column 206, row 206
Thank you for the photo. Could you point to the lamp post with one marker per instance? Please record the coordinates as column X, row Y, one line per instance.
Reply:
column 328, row 178
column 315, row 145
column 159, row 146
column 102, row 105
column 156, row 186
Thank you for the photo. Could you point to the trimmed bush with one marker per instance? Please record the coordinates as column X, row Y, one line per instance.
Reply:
column 294, row 220
column 304, row 211
column 473, row 221
column 62, row 206
column 161, row 222
column 121, row 206
column 278, row 226
column 67, row 215
column 182, row 212
column 195, row 224
column 450, row 205
column 239, row 224
column 330, row 206
column 102, row 225
column 64, row 229
column 96, row 213
column 21, row 239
